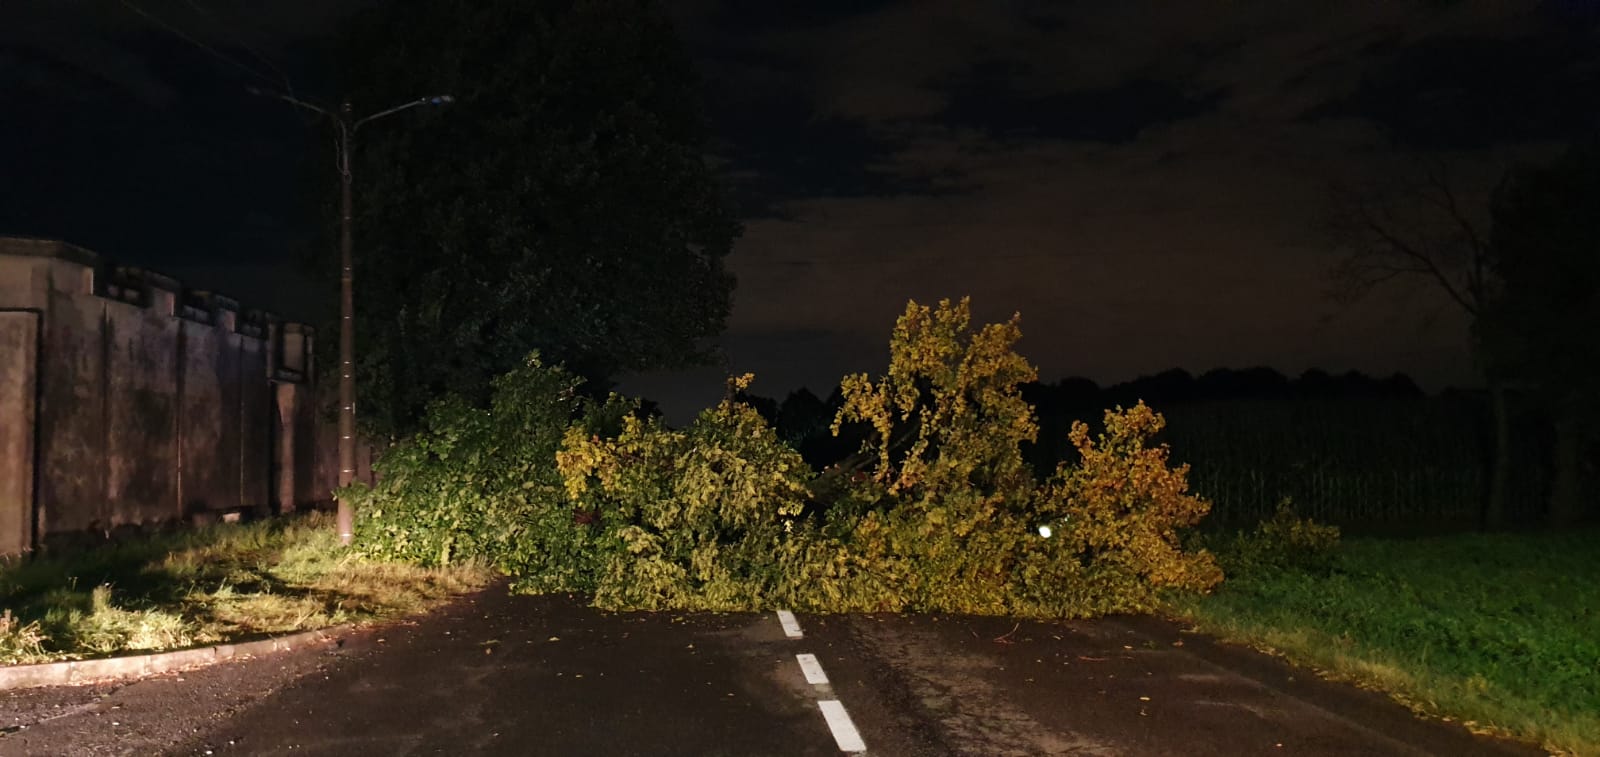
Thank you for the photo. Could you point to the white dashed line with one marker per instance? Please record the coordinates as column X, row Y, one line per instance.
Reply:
column 839, row 723
column 791, row 627
column 844, row 731
column 812, row 669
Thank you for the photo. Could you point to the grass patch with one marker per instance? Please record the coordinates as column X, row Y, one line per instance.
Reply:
column 206, row 586
column 1501, row 632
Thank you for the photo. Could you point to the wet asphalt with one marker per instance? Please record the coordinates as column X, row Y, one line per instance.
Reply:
column 497, row 674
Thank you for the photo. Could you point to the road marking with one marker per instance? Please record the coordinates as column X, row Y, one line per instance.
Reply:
column 812, row 669
column 839, row 723
column 791, row 627
column 844, row 731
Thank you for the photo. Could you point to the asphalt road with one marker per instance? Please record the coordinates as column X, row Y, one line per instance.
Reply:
column 496, row 674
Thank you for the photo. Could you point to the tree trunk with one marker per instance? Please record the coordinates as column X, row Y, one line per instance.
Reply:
column 1566, row 490
column 1494, row 510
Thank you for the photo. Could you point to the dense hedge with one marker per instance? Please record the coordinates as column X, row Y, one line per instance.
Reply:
column 939, row 512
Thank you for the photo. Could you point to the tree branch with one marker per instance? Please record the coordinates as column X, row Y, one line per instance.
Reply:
column 1424, row 262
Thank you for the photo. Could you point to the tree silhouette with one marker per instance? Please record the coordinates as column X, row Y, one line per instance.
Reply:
column 1544, row 324
column 563, row 203
column 1421, row 228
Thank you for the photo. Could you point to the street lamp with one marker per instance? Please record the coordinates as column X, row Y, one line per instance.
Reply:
column 347, row 125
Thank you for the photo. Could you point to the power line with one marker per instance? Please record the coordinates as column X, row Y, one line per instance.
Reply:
column 197, row 43
column 239, row 39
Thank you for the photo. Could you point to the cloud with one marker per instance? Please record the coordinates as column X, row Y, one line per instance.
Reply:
column 849, row 100
column 1112, row 114
column 1475, row 92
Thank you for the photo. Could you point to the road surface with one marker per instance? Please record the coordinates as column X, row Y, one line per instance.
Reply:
column 498, row 674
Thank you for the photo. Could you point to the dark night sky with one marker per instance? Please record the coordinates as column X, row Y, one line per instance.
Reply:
column 1143, row 180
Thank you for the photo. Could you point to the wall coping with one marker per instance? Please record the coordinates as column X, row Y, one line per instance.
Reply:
column 214, row 300
column 48, row 248
column 150, row 278
column 16, row 246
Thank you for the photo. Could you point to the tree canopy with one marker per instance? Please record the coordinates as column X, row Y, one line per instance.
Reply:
column 563, row 203
column 1542, row 324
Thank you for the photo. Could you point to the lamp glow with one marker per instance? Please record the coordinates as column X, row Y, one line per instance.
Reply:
column 1045, row 531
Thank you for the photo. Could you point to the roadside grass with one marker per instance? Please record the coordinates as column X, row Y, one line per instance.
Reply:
column 1498, row 631
column 206, row 586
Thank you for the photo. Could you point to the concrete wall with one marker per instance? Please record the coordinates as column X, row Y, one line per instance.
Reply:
column 125, row 400
column 210, row 473
column 19, row 339
column 256, row 433
column 72, row 430
column 141, row 390
column 306, row 446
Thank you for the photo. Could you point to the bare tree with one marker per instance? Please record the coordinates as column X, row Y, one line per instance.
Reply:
column 1424, row 228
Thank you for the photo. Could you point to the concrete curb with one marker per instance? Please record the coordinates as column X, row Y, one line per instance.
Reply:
column 69, row 672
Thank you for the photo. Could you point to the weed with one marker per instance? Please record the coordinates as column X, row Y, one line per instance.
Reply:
column 205, row 586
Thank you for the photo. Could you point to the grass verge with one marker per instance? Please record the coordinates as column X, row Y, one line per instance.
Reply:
column 206, row 586
column 1500, row 632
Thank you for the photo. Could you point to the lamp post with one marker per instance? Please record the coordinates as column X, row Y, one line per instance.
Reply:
column 345, row 121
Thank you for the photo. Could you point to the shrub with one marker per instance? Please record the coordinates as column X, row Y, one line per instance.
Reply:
column 819, row 572
column 1120, row 512
column 954, row 508
column 1285, row 541
column 694, row 519
column 938, row 512
column 480, row 484
column 949, row 415
column 948, row 421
